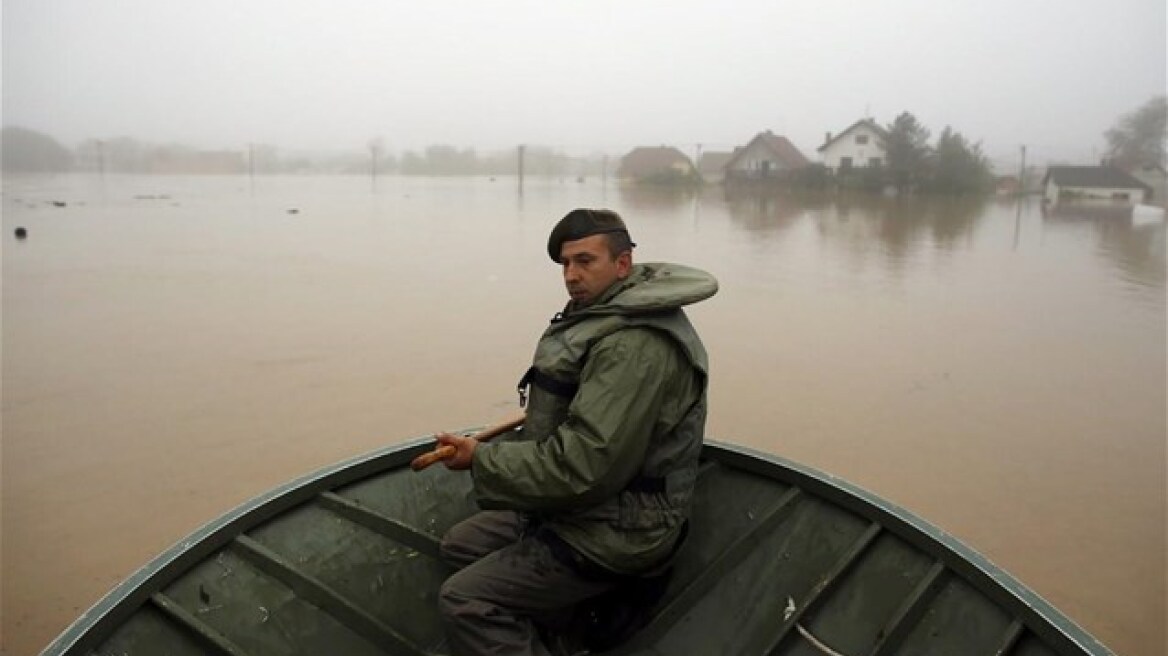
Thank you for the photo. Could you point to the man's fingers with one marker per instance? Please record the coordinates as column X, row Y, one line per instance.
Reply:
column 426, row 459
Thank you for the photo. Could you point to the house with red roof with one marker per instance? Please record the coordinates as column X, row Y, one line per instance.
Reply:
column 767, row 156
column 656, row 164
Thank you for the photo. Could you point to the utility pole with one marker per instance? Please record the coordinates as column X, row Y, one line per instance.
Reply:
column 101, row 159
column 1022, row 173
column 374, row 153
column 1020, row 198
column 521, row 149
column 251, row 167
column 373, row 163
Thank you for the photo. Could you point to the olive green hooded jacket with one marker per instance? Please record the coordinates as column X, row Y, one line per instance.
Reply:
column 608, row 456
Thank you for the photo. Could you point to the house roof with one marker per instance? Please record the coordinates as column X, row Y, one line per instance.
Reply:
column 1106, row 177
column 883, row 134
column 1154, row 169
column 782, row 148
column 714, row 162
column 652, row 159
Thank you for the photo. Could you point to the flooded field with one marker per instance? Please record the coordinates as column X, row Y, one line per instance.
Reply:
column 175, row 345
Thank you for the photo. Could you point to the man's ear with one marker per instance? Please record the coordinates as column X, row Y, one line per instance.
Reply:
column 624, row 264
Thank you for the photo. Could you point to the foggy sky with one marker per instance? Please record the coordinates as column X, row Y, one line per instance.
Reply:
column 581, row 76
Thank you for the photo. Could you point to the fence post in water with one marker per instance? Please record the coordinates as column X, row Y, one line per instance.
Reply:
column 375, row 147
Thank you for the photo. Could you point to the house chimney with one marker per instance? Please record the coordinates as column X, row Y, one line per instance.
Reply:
column 826, row 137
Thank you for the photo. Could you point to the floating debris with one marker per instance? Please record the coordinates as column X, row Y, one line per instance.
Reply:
column 58, row 203
column 20, row 232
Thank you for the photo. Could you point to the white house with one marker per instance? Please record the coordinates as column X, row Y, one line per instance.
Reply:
column 1092, row 183
column 859, row 146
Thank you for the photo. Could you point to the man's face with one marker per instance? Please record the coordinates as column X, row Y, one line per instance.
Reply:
column 589, row 268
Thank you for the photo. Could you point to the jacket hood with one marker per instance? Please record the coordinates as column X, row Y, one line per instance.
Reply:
column 652, row 287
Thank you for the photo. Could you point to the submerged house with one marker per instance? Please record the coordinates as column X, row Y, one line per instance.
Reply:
column 1156, row 177
column 1007, row 185
column 656, row 164
column 767, row 156
column 712, row 166
column 861, row 145
column 1064, row 184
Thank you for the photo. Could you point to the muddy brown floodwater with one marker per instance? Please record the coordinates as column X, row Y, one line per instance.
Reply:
column 173, row 346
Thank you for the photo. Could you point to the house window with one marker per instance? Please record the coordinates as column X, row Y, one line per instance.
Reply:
column 874, row 162
column 845, row 163
column 861, row 139
column 1120, row 196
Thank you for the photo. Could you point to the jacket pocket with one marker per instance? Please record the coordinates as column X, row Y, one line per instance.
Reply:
column 644, row 510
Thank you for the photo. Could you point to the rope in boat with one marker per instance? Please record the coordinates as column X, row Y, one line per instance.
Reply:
column 815, row 642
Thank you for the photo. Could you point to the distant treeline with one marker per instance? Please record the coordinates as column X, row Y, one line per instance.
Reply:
column 31, row 151
column 26, row 150
column 910, row 163
column 952, row 165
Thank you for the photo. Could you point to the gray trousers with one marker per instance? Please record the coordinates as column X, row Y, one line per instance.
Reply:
column 509, row 585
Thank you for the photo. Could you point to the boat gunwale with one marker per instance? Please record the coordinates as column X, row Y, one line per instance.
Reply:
column 103, row 618
column 98, row 623
column 1038, row 615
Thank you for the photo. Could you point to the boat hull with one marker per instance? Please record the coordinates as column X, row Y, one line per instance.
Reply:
column 782, row 560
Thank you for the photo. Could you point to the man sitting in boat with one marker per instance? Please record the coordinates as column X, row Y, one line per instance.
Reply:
column 592, row 501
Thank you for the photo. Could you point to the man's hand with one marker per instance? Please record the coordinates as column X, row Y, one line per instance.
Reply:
column 464, row 449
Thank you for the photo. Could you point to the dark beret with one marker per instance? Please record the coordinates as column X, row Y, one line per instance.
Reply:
column 582, row 223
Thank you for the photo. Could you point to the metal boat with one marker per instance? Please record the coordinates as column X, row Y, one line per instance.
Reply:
column 782, row 560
